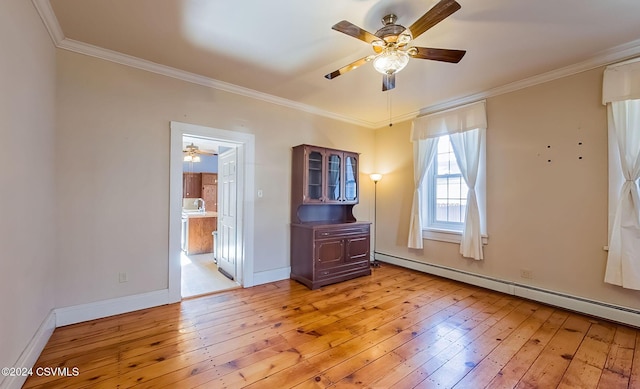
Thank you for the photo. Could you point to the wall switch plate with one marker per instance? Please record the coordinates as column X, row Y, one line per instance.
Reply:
column 123, row 277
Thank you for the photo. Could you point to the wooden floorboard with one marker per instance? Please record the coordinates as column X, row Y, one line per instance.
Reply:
column 397, row 328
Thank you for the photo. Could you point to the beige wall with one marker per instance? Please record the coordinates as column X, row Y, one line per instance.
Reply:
column 27, row 240
column 113, row 172
column 547, row 217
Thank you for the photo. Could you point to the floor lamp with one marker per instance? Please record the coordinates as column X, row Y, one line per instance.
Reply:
column 375, row 177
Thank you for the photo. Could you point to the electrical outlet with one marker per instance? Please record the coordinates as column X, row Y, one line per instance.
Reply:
column 123, row 277
column 526, row 273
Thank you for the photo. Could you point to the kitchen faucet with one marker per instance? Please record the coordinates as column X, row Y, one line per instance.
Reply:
column 200, row 208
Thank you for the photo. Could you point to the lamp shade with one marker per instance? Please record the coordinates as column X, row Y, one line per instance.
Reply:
column 375, row 177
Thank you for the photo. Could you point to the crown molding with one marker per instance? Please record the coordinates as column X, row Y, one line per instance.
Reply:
column 615, row 54
column 618, row 53
column 135, row 62
column 50, row 20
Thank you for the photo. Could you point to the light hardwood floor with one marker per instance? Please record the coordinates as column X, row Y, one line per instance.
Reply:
column 395, row 329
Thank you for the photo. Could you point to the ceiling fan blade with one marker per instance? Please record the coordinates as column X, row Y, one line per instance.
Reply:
column 347, row 68
column 388, row 81
column 444, row 55
column 350, row 29
column 434, row 16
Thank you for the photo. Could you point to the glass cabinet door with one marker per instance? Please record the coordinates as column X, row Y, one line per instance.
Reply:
column 350, row 178
column 334, row 164
column 314, row 174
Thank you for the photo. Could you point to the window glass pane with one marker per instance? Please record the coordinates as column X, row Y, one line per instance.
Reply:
column 441, row 210
column 454, row 188
column 315, row 175
column 350, row 180
column 454, row 169
column 442, row 162
column 441, row 188
column 333, row 186
column 448, row 193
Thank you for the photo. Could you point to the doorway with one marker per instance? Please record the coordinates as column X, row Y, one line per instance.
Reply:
column 209, row 205
column 242, row 245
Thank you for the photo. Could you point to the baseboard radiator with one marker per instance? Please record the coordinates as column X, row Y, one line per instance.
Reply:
column 583, row 305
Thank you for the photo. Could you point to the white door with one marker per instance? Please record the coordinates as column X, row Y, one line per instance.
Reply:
column 227, row 213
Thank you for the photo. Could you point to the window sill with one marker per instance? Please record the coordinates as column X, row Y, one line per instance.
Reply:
column 448, row 236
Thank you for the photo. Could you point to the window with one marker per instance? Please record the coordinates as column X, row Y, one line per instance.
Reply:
column 449, row 176
column 444, row 195
column 446, row 191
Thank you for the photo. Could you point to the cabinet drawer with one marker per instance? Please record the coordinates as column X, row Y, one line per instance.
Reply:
column 341, row 270
column 341, row 232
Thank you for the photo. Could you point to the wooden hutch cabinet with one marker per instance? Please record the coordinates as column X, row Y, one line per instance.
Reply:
column 328, row 245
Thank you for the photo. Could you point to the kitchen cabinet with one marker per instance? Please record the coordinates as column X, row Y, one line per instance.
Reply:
column 327, row 243
column 201, row 185
column 209, row 192
column 191, row 185
column 209, row 178
column 198, row 237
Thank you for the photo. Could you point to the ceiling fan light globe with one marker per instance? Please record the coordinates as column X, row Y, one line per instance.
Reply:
column 391, row 61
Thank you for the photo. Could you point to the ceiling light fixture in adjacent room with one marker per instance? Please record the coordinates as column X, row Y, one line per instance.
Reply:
column 192, row 158
column 190, row 153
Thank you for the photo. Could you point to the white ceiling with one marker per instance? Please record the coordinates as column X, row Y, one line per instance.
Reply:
column 280, row 49
column 204, row 144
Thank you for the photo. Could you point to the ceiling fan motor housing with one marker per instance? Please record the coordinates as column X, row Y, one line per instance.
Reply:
column 391, row 31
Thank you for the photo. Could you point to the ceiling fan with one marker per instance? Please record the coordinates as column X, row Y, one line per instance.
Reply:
column 191, row 153
column 390, row 43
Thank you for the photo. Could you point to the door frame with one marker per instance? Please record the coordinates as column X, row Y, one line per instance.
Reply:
column 245, row 202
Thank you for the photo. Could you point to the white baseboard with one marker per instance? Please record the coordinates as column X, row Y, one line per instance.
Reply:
column 264, row 277
column 601, row 309
column 105, row 308
column 31, row 353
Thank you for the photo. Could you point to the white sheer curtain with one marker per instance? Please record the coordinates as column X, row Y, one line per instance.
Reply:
column 467, row 147
column 621, row 94
column 460, row 120
column 623, row 261
column 423, row 152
